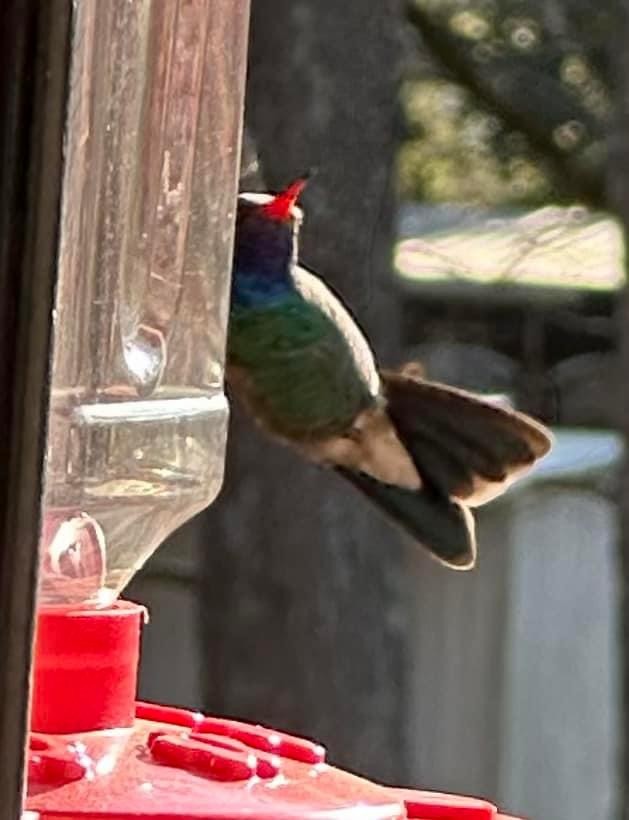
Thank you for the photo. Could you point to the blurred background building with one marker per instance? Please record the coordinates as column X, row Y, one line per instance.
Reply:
column 463, row 208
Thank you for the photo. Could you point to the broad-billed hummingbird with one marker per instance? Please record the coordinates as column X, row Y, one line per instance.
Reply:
column 422, row 452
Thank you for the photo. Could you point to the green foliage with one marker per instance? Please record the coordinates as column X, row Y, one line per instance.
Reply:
column 453, row 155
column 510, row 101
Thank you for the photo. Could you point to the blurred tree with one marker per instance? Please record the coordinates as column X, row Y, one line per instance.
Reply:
column 510, row 101
column 306, row 587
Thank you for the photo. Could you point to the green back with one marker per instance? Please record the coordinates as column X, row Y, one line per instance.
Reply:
column 301, row 374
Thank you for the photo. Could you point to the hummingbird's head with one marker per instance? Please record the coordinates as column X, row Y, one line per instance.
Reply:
column 266, row 232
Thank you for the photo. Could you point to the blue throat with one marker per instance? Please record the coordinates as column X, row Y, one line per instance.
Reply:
column 261, row 273
column 253, row 288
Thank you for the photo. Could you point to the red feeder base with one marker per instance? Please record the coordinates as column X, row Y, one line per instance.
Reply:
column 90, row 762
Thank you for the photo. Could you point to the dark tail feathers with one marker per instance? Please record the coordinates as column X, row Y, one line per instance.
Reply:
column 444, row 527
column 466, row 450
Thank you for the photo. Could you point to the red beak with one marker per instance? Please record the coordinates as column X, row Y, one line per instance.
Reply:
column 281, row 205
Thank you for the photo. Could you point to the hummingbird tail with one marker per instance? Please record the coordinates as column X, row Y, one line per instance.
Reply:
column 442, row 526
column 464, row 447
column 466, row 450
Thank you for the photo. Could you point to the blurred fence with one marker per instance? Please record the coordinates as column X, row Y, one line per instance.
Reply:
column 515, row 686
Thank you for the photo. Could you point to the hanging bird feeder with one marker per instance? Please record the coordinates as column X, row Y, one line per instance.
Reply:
column 136, row 432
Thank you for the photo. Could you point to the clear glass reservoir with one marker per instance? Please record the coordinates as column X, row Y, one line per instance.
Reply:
column 138, row 417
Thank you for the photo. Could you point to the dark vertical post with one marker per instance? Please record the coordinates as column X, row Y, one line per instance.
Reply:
column 34, row 43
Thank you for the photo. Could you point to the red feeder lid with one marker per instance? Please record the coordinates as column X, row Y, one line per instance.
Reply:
column 175, row 764
column 95, row 755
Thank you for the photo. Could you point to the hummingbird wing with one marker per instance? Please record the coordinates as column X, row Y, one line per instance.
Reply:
column 370, row 444
column 315, row 291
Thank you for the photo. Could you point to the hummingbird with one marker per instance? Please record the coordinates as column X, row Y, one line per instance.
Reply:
column 423, row 453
